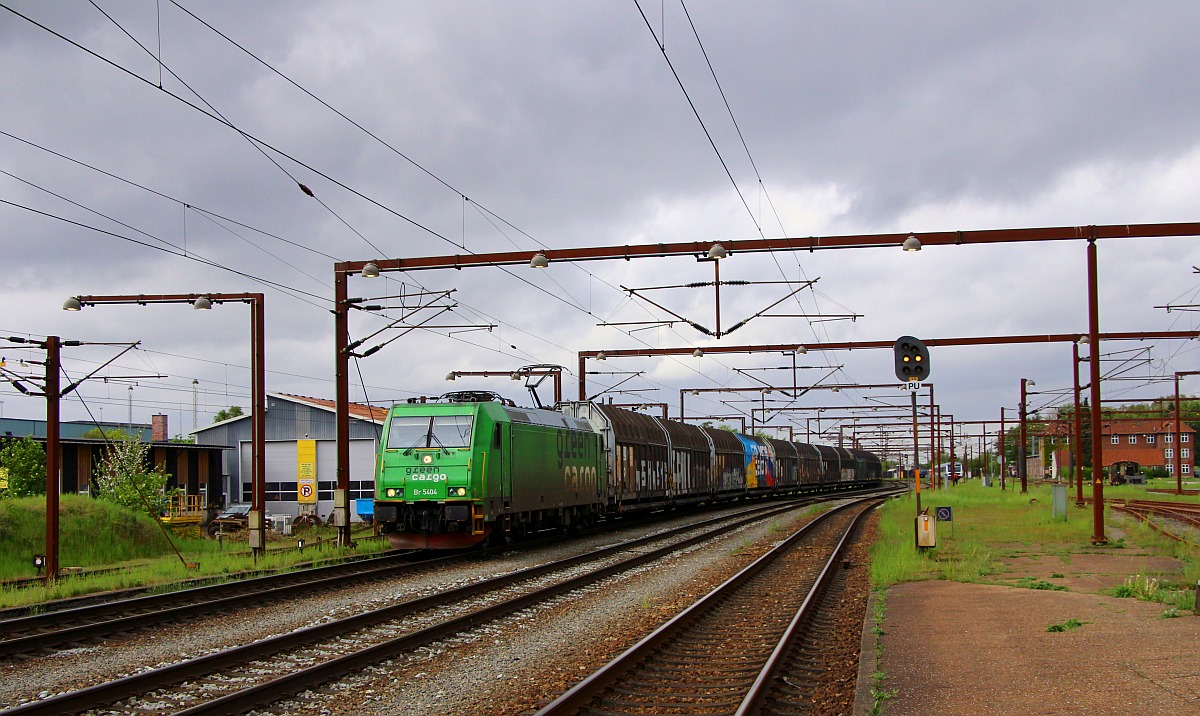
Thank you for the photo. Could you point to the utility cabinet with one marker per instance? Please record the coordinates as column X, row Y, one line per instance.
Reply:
column 926, row 531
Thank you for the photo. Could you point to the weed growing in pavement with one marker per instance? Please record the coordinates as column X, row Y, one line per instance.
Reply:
column 1058, row 575
column 1031, row 583
column 1151, row 589
column 1138, row 586
column 877, row 618
column 1171, row 613
column 879, row 695
column 1065, row 626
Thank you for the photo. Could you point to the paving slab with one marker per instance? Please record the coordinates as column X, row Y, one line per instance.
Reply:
column 951, row 649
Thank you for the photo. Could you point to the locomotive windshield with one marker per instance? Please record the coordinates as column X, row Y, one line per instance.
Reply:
column 409, row 432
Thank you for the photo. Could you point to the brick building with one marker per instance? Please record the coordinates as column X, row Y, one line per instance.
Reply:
column 1148, row 442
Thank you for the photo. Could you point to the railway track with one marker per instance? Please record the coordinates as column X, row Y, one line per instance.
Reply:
column 243, row 677
column 745, row 648
column 1186, row 515
column 42, row 632
column 35, row 634
column 1183, row 514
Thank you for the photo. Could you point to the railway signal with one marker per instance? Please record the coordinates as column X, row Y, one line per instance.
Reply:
column 912, row 359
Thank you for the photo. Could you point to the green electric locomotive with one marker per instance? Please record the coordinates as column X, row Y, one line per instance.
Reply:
column 445, row 473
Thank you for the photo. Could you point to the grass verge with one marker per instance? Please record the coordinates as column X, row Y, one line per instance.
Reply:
column 95, row 535
column 990, row 526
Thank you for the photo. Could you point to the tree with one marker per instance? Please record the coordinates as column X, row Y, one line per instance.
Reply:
column 109, row 434
column 232, row 412
column 24, row 461
column 123, row 477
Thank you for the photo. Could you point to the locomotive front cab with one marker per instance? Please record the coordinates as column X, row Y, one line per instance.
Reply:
column 425, row 494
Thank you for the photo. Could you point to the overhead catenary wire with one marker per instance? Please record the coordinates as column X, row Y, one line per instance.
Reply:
column 712, row 141
column 261, row 144
column 199, row 209
column 488, row 214
column 206, row 212
column 174, row 251
column 257, row 141
column 182, row 249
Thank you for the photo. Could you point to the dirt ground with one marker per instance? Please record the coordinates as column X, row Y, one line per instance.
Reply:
column 952, row 649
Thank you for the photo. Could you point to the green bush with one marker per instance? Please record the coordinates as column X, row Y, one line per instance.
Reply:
column 24, row 464
column 123, row 477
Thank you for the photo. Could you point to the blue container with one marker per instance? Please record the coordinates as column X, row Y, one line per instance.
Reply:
column 364, row 507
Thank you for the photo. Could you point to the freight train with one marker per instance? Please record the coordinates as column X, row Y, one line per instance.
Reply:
column 472, row 467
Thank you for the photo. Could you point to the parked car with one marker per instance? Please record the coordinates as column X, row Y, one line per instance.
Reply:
column 234, row 518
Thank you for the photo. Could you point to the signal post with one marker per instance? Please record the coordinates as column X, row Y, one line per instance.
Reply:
column 912, row 366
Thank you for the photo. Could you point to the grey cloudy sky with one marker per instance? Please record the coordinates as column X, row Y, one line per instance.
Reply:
column 563, row 126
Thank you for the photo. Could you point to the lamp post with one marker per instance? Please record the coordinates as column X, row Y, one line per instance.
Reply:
column 53, row 458
column 934, row 421
column 258, row 401
column 341, row 363
column 1077, row 448
column 1098, row 537
column 1000, row 450
column 952, row 474
column 1179, row 432
column 1022, row 467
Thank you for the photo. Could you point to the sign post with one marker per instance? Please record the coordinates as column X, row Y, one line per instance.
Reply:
column 945, row 514
column 306, row 476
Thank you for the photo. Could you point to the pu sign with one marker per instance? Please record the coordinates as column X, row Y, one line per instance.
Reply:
column 306, row 472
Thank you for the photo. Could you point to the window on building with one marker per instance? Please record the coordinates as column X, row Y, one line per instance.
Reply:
column 1169, row 438
column 1183, row 438
column 1170, row 469
column 1168, row 453
column 1185, row 453
column 1187, row 469
column 1133, row 440
column 1150, row 439
column 1116, row 440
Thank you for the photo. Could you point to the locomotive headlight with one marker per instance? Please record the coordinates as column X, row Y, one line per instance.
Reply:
column 462, row 491
column 391, row 492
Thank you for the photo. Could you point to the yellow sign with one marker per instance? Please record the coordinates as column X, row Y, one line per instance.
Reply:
column 306, row 472
column 3, row 478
